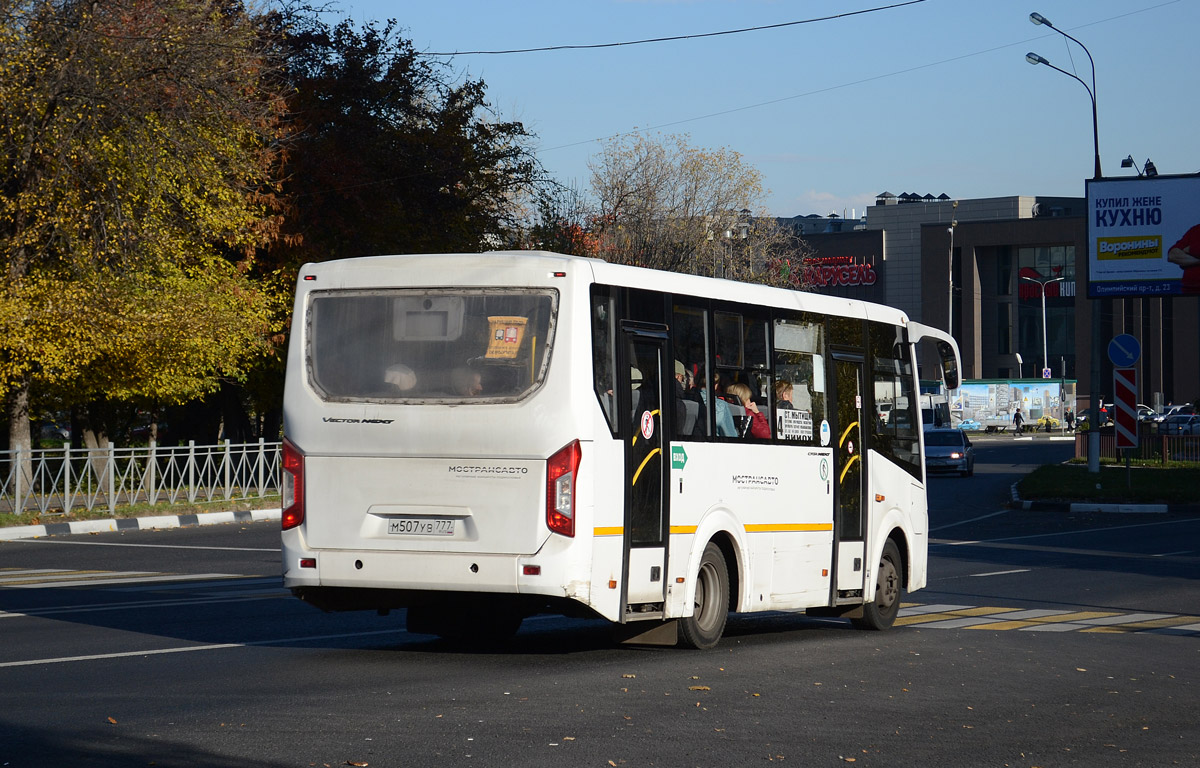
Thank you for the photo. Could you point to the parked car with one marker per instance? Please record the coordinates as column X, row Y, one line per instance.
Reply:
column 1182, row 424
column 1174, row 410
column 1047, row 422
column 949, row 450
column 55, row 433
column 1145, row 413
column 970, row 424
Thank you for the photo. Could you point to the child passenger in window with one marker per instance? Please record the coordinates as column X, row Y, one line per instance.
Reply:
column 758, row 422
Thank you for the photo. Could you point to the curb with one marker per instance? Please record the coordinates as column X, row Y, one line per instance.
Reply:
column 1090, row 506
column 137, row 523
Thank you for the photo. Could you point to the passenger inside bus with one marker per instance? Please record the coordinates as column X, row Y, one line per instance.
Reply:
column 783, row 395
column 725, row 425
column 400, row 377
column 687, row 402
column 466, row 382
column 755, row 424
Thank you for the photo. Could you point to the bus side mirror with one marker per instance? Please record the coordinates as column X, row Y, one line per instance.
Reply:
column 950, row 374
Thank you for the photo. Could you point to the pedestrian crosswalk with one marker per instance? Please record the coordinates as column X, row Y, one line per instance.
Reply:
column 922, row 615
column 995, row 618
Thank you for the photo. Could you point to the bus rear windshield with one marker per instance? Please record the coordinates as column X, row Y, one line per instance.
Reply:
column 487, row 345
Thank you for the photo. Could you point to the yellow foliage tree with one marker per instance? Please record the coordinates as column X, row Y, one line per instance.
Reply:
column 139, row 145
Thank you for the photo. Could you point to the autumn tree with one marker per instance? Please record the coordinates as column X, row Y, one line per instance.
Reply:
column 664, row 204
column 562, row 222
column 388, row 153
column 138, row 149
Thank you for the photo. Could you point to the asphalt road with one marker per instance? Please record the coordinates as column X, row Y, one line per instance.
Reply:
column 1042, row 640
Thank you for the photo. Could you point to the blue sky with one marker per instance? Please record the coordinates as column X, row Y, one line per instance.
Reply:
column 932, row 97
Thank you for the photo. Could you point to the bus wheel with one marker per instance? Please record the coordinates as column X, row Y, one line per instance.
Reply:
column 710, row 607
column 882, row 612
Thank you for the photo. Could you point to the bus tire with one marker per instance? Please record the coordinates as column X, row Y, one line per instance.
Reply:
column 710, row 606
column 881, row 613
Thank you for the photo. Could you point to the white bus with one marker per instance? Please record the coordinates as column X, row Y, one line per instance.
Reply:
column 479, row 438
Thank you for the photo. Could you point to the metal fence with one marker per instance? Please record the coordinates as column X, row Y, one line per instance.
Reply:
column 64, row 479
column 1151, row 447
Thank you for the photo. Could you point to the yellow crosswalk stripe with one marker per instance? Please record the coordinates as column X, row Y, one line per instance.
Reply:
column 1112, row 622
column 1060, row 618
column 961, row 613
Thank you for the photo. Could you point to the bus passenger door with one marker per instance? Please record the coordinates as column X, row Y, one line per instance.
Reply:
column 849, row 457
column 644, row 380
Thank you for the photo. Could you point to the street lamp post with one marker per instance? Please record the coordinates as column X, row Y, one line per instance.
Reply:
column 950, row 271
column 1097, row 343
column 1042, row 283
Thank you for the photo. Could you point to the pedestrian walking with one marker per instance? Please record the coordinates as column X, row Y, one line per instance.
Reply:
column 1018, row 421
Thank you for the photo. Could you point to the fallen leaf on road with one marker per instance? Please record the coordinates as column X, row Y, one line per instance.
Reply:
column 113, row 721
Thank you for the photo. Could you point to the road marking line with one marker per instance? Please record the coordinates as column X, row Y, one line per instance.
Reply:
column 134, row 577
column 224, row 583
column 964, row 522
column 947, row 618
column 917, row 608
column 191, row 648
column 143, row 546
column 39, row 612
column 999, row 573
column 64, row 577
column 1176, row 622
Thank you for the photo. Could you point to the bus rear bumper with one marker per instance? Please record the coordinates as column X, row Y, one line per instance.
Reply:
column 368, row 580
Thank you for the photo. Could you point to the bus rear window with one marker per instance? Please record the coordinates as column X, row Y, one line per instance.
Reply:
column 488, row 345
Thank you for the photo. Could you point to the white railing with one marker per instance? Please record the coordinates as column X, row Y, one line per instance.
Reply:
column 63, row 479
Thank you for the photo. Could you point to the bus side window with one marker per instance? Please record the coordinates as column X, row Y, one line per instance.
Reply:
column 689, row 341
column 894, row 430
column 604, row 354
column 799, row 343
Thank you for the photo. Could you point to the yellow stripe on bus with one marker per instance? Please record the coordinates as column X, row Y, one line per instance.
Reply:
column 787, row 527
column 617, row 530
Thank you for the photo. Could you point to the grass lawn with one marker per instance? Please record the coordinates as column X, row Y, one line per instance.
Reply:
column 1113, row 485
column 138, row 510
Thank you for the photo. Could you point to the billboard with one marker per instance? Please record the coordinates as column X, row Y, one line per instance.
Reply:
column 1144, row 236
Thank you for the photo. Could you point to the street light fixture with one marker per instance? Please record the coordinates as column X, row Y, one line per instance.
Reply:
column 1043, row 282
column 1097, row 174
column 1148, row 170
column 1035, row 59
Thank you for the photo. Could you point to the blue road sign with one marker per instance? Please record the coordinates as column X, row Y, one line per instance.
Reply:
column 1124, row 350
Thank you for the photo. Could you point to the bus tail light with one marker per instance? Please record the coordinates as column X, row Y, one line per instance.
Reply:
column 292, row 483
column 561, row 470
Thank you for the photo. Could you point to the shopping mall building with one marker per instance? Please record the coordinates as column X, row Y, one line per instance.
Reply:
column 981, row 266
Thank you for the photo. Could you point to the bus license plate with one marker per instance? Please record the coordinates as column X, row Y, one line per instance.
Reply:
column 421, row 526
